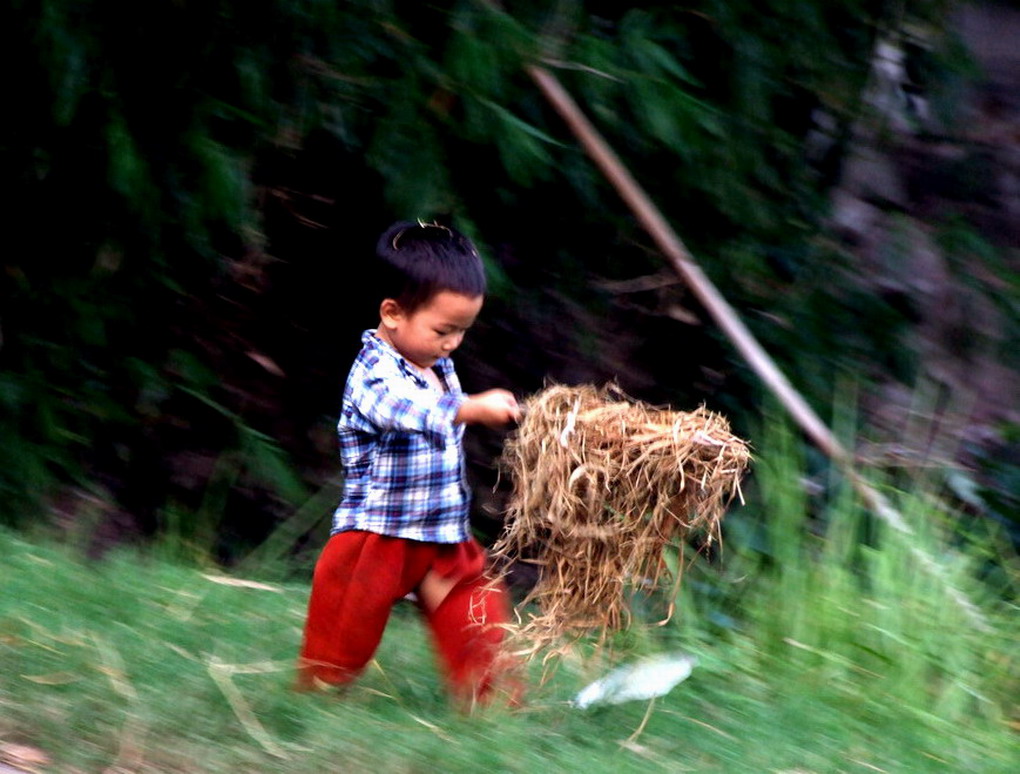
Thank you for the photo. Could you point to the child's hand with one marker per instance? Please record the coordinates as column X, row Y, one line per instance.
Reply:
column 492, row 408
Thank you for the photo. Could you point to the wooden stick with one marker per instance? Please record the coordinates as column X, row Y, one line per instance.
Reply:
column 729, row 321
column 671, row 246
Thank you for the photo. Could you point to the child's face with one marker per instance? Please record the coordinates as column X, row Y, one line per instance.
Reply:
column 431, row 331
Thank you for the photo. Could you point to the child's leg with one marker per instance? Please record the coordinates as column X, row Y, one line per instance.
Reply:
column 358, row 578
column 467, row 629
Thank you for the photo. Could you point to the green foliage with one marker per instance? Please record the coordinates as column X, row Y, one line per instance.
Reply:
column 822, row 643
column 197, row 183
column 830, row 593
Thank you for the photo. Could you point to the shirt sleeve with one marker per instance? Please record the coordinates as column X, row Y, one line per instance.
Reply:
column 407, row 409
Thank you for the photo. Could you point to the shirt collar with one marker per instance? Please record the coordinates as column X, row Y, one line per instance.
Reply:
column 372, row 340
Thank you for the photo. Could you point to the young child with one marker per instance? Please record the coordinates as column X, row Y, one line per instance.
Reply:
column 402, row 523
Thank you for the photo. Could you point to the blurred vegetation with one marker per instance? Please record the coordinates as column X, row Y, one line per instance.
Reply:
column 822, row 645
column 195, row 187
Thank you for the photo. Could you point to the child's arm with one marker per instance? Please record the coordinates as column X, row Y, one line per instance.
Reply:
column 388, row 405
column 390, row 408
column 492, row 408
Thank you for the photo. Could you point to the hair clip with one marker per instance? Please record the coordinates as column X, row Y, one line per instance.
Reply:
column 421, row 224
column 434, row 224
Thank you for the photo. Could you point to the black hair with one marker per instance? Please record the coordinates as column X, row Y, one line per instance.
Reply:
column 418, row 260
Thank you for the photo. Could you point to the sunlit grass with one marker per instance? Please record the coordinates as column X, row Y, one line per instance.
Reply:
column 823, row 646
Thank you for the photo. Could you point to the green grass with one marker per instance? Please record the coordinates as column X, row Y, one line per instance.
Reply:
column 824, row 645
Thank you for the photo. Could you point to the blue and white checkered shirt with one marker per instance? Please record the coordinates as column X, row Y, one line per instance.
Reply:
column 401, row 453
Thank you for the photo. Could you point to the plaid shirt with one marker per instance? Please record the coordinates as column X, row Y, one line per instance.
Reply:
column 400, row 450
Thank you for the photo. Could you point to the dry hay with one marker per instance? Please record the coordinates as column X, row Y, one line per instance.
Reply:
column 602, row 485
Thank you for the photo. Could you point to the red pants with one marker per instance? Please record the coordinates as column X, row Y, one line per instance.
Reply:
column 358, row 579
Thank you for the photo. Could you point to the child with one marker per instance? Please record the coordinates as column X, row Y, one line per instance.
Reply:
column 402, row 523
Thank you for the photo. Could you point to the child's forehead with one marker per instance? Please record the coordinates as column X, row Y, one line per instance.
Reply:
column 450, row 303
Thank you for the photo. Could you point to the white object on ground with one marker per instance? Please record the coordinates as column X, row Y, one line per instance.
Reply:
column 644, row 679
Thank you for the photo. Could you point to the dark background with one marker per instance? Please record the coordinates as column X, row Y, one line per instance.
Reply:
column 195, row 188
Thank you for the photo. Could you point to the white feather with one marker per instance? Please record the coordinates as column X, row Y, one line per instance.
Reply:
column 644, row 679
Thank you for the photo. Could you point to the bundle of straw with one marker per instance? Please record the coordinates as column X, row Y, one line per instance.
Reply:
column 602, row 485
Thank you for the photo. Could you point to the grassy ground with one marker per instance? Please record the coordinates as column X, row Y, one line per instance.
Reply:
column 821, row 649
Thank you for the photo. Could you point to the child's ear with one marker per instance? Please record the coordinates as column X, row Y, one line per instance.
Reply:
column 390, row 312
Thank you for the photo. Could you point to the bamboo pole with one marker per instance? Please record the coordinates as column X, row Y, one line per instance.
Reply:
column 679, row 258
column 729, row 321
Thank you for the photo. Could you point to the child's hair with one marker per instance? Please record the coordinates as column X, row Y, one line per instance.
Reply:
column 419, row 260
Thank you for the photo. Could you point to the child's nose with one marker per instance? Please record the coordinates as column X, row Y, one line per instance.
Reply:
column 452, row 342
